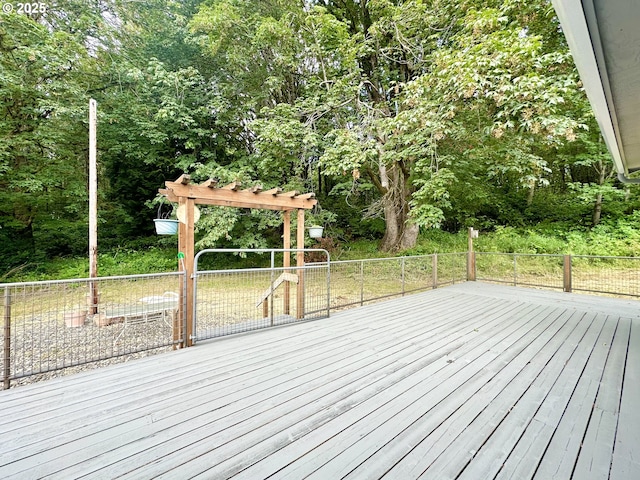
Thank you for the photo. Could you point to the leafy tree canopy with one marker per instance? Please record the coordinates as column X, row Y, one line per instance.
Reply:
column 400, row 115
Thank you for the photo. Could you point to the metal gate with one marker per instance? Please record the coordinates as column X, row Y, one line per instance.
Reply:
column 238, row 300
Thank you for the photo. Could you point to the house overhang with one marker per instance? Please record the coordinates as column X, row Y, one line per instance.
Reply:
column 604, row 39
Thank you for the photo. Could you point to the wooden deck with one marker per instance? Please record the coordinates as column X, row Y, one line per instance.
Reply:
column 473, row 381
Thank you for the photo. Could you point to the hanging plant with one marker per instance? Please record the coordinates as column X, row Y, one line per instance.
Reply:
column 164, row 224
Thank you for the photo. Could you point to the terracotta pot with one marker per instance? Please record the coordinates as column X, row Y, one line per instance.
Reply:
column 75, row 318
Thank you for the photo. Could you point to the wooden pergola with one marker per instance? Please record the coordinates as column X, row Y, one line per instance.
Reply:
column 188, row 195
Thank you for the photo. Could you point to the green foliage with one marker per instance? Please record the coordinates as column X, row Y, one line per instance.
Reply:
column 620, row 238
column 42, row 159
column 511, row 240
column 436, row 114
column 232, row 228
column 438, row 241
column 117, row 262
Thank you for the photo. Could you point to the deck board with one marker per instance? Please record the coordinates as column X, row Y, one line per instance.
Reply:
column 531, row 446
column 467, row 442
column 471, row 370
column 626, row 458
column 468, row 381
column 563, row 450
column 386, row 411
column 597, row 446
column 431, row 437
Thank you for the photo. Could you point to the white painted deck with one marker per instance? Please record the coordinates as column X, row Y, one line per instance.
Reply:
column 472, row 381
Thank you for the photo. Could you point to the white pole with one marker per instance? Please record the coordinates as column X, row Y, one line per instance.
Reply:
column 93, row 206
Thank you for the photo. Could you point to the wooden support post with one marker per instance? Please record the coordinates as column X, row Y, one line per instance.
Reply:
column 92, row 298
column 178, row 331
column 265, row 308
column 566, row 281
column 300, row 263
column 189, row 254
column 6, row 374
column 471, row 257
column 286, row 262
column 434, row 270
column 186, row 246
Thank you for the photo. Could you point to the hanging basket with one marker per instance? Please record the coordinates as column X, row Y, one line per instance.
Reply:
column 315, row 231
column 166, row 226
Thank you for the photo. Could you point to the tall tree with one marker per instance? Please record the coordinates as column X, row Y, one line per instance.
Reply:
column 406, row 96
column 42, row 157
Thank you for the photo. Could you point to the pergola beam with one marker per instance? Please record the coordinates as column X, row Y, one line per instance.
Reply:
column 306, row 196
column 291, row 194
column 184, row 179
column 203, row 194
column 232, row 186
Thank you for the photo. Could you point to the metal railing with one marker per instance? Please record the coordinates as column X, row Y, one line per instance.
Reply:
column 611, row 276
column 358, row 282
column 50, row 326
column 528, row 270
column 239, row 300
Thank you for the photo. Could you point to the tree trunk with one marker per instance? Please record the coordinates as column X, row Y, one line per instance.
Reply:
column 532, row 191
column 399, row 234
column 597, row 210
column 597, row 207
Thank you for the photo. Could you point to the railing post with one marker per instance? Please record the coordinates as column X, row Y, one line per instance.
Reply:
column 361, row 282
column 273, row 279
column 515, row 270
column 328, row 285
column 434, row 270
column 471, row 256
column 402, row 274
column 566, row 281
column 300, row 264
column 6, row 374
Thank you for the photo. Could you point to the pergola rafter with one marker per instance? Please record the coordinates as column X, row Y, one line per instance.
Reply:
column 230, row 195
column 209, row 193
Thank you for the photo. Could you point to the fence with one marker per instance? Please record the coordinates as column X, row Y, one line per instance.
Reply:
column 50, row 326
column 239, row 300
column 358, row 282
column 611, row 276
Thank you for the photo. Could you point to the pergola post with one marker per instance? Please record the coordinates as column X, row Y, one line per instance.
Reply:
column 186, row 242
column 300, row 264
column 286, row 262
